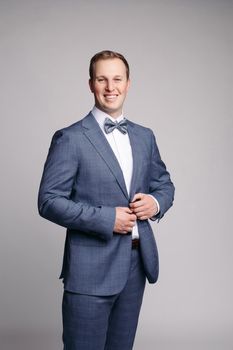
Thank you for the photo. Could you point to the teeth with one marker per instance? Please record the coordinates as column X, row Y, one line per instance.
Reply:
column 110, row 97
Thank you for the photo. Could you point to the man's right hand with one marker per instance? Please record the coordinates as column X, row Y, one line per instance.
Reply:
column 125, row 220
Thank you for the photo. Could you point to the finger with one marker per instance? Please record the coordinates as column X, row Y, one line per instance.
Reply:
column 133, row 217
column 127, row 210
column 139, row 209
column 126, row 229
column 136, row 204
column 144, row 217
column 124, row 209
column 137, row 196
column 142, row 213
column 131, row 224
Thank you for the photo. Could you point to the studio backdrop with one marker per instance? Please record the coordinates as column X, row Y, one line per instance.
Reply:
column 180, row 54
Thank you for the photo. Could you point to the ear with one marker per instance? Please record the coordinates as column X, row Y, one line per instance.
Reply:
column 128, row 84
column 91, row 85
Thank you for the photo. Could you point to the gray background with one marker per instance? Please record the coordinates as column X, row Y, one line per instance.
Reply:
column 180, row 54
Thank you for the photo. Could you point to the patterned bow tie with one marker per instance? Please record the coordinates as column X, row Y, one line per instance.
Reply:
column 109, row 126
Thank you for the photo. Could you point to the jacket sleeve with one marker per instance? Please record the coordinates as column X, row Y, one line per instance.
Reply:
column 54, row 199
column 161, row 186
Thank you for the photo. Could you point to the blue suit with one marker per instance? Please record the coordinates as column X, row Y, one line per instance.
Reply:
column 82, row 183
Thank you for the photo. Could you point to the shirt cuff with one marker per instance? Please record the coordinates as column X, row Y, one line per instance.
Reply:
column 158, row 206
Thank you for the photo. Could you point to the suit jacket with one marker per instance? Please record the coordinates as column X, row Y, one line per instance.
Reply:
column 82, row 183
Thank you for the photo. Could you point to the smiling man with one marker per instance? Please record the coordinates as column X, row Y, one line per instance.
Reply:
column 103, row 179
column 109, row 81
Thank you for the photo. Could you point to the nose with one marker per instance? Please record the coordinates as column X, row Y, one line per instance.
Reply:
column 109, row 86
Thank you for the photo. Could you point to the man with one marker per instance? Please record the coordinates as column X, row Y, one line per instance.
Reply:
column 103, row 179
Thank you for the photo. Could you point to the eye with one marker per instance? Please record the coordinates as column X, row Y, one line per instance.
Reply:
column 117, row 79
column 100, row 79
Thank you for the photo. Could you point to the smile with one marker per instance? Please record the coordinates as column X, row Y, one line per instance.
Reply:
column 110, row 97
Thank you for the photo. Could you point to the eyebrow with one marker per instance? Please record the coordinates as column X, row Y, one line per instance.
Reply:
column 103, row 76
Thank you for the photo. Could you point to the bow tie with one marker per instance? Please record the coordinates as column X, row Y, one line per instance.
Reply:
column 109, row 126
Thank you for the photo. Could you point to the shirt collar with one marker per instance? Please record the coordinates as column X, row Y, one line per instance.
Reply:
column 100, row 116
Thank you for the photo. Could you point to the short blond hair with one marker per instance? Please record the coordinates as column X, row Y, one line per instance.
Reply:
column 105, row 55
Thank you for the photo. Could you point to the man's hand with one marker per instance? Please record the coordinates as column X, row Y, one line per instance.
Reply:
column 143, row 206
column 125, row 220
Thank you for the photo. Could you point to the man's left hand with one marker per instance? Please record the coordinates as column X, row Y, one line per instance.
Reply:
column 143, row 206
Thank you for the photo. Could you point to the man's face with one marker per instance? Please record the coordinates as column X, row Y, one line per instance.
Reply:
column 110, row 86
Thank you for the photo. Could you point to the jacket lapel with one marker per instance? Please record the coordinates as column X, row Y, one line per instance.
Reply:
column 101, row 145
column 137, row 157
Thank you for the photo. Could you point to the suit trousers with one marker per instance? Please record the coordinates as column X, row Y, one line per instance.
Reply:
column 104, row 322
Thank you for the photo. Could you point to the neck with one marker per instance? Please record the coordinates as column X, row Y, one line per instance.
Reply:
column 112, row 115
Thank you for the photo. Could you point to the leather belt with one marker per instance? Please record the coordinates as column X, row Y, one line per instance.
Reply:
column 135, row 243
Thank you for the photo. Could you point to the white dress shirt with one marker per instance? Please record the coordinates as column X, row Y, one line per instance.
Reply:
column 121, row 147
